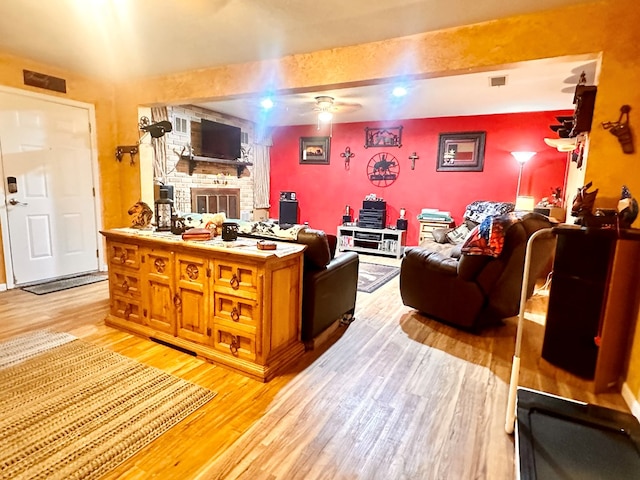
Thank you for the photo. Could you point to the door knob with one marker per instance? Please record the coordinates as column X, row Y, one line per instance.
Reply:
column 13, row 201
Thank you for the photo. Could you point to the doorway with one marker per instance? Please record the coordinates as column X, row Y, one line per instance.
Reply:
column 48, row 197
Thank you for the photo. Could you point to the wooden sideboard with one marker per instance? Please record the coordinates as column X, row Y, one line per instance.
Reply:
column 228, row 302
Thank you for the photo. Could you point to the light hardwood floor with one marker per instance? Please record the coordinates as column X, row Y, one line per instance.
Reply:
column 394, row 395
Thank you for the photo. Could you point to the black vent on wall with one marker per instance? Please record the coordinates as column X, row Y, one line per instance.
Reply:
column 498, row 81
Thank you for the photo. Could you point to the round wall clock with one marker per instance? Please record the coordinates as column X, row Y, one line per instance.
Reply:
column 383, row 169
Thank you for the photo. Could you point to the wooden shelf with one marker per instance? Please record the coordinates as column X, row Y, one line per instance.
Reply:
column 192, row 159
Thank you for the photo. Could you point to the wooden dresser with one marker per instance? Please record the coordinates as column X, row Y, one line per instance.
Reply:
column 427, row 226
column 228, row 302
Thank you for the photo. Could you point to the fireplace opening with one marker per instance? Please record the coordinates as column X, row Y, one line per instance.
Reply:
column 214, row 200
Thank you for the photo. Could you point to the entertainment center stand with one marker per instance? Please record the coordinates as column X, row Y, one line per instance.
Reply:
column 382, row 241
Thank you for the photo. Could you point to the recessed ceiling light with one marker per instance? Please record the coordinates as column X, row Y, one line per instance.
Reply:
column 266, row 103
column 399, row 92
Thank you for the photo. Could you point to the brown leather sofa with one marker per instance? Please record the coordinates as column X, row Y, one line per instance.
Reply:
column 329, row 284
column 474, row 291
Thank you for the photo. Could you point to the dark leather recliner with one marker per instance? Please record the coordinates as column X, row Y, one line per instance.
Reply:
column 473, row 291
column 329, row 284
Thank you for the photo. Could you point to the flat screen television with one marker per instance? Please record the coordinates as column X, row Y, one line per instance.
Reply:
column 220, row 140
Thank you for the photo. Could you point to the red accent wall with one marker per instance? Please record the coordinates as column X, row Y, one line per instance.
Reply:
column 323, row 191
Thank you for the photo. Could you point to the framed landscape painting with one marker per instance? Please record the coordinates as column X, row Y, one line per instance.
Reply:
column 315, row 150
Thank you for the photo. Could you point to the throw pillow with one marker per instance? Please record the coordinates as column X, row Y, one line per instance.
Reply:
column 440, row 234
column 458, row 234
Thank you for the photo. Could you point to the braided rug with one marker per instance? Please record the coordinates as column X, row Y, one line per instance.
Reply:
column 71, row 410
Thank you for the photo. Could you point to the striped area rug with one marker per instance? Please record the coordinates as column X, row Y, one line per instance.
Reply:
column 72, row 410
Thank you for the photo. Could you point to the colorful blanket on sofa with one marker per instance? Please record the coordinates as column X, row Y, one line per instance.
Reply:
column 488, row 237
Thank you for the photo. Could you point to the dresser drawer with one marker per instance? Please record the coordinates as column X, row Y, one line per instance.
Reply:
column 124, row 283
column 124, row 255
column 238, row 310
column 234, row 342
column 240, row 278
column 126, row 308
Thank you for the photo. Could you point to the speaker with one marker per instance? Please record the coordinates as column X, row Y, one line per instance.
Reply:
column 288, row 196
column 401, row 224
column 288, row 212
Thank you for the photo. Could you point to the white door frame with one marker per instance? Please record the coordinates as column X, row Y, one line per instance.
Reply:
column 4, row 219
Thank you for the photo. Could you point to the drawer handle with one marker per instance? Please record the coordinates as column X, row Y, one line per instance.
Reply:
column 127, row 312
column 123, row 257
column 125, row 286
column 235, row 315
column 177, row 301
column 233, row 347
column 235, row 281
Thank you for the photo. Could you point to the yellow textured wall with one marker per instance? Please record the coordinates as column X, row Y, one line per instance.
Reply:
column 608, row 27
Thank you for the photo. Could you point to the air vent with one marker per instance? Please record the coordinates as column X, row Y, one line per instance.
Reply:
column 244, row 137
column 500, row 81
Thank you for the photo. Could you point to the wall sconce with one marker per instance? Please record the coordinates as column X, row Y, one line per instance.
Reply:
column 156, row 130
column 621, row 129
column 521, row 158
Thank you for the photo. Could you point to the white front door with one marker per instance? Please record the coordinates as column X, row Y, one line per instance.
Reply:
column 45, row 148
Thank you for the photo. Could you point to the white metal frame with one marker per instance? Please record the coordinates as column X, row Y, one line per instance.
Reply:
column 510, row 418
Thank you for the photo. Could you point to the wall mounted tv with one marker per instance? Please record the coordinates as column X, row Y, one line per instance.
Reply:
column 220, row 140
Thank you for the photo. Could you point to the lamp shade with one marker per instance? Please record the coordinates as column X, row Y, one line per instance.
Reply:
column 525, row 203
column 523, row 157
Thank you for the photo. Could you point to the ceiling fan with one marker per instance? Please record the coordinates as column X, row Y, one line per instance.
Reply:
column 325, row 106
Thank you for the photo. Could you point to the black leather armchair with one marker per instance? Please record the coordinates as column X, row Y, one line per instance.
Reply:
column 329, row 284
column 473, row 291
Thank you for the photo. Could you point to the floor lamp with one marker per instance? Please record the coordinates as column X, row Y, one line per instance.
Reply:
column 523, row 203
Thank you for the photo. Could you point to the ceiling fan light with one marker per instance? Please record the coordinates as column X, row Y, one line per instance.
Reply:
column 325, row 116
column 399, row 92
column 266, row 103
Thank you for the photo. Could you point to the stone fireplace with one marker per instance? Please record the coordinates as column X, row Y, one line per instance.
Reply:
column 207, row 185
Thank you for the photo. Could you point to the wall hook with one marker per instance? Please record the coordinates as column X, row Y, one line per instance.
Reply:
column 130, row 149
column 621, row 129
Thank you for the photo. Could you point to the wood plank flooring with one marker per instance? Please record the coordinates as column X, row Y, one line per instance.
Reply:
column 394, row 395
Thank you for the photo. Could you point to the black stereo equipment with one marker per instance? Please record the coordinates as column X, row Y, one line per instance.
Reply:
column 290, row 196
column 401, row 224
column 288, row 212
column 374, row 205
column 346, row 219
column 372, row 218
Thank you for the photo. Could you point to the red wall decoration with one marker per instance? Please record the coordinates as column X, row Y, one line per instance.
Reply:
column 323, row 191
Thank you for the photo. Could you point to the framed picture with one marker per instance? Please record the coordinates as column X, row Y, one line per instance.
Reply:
column 315, row 150
column 461, row 152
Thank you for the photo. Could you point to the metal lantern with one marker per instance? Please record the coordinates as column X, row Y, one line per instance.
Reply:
column 164, row 211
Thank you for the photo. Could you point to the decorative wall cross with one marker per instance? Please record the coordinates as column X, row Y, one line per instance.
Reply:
column 413, row 157
column 347, row 155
